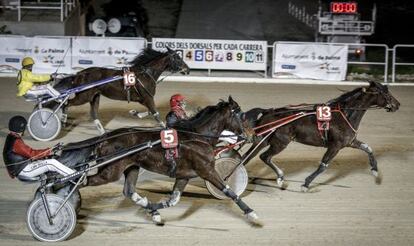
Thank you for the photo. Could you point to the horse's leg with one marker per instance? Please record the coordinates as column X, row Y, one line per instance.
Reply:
column 252, row 152
column 150, row 104
column 275, row 148
column 131, row 178
column 179, row 185
column 356, row 144
column 327, row 157
column 94, row 113
column 211, row 176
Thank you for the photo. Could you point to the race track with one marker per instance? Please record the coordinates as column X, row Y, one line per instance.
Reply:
column 345, row 206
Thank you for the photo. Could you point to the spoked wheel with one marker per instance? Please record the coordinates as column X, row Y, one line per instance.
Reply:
column 75, row 199
column 44, row 125
column 237, row 181
column 63, row 223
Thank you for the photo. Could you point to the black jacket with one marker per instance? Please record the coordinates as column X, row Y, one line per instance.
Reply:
column 171, row 119
column 9, row 157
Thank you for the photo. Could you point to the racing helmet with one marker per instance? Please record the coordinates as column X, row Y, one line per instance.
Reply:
column 177, row 100
column 27, row 61
column 17, row 124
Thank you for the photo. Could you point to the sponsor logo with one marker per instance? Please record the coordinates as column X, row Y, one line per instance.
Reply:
column 13, row 60
column 289, row 67
column 85, row 62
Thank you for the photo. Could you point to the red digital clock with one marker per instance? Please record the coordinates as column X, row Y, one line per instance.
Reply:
column 344, row 7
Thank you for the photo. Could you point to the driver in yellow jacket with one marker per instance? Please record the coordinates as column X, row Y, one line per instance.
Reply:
column 27, row 81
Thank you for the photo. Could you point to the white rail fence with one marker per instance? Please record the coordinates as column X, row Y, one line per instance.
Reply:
column 118, row 50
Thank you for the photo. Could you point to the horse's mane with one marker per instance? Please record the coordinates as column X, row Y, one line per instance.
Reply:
column 146, row 56
column 342, row 99
column 201, row 117
column 345, row 97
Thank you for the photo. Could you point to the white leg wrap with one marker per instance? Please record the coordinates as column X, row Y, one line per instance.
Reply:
column 175, row 198
column 98, row 124
column 141, row 201
column 366, row 148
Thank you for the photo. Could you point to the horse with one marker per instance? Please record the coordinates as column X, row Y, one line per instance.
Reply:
column 147, row 67
column 195, row 150
column 347, row 113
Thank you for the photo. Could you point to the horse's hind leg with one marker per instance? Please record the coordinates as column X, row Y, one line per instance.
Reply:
column 327, row 157
column 94, row 113
column 356, row 144
column 274, row 149
column 131, row 178
column 178, row 189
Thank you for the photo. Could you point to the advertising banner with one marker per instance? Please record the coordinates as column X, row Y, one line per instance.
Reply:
column 312, row 61
column 217, row 54
column 12, row 51
column 50, row 54
column 104, row 52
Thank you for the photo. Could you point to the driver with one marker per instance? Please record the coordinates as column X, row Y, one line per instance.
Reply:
column 27, row 81
column 177, row 113
column 16, row 152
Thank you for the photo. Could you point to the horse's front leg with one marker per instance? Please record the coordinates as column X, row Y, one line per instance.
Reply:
column 150, row 104
column 179, row 186
column 274, row 149
column 327, row 157
column 94, row 113
column 356, row 144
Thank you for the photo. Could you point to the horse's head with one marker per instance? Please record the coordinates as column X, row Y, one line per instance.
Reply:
column 176, row 63
column 384, row 98
column 236, row 120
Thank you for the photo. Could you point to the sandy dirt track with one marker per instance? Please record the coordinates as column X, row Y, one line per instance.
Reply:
column 345, row 206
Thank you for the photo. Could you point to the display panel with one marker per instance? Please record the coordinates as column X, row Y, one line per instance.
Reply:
column 343, row 7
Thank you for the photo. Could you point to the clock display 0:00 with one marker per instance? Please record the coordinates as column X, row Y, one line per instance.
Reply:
column 344, row 7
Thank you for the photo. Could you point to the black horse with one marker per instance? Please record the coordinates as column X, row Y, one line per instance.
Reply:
column 350, row 108
column 195, row 150
column 147, row 66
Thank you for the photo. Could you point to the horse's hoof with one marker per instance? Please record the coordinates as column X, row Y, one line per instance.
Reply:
column 280, row 181
column 253, row 218
column 304, row 188
column 156, row 218
column 375, row 173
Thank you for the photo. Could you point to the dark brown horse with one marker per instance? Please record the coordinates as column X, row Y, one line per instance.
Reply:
column 147, row 66
column 196, row 155
column 342, row 133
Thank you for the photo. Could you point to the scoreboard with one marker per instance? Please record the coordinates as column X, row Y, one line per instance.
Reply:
column 344, row 8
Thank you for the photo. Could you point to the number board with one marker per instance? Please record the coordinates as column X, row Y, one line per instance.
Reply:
column 169, row 138
column 129, row 79
column 323, row 113
column 217, row 54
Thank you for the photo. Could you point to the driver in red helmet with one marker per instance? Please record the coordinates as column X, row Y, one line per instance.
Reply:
column 177, row 113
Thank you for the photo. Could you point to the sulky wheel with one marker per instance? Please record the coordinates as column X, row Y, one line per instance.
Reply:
column 75, row 199
column 237, row 181
column 63, row 223
column 44, row 125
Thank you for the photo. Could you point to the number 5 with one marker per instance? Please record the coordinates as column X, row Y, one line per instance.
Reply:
column 168, row 136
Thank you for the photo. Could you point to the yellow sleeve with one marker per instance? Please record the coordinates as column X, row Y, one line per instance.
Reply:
column 37, row 78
